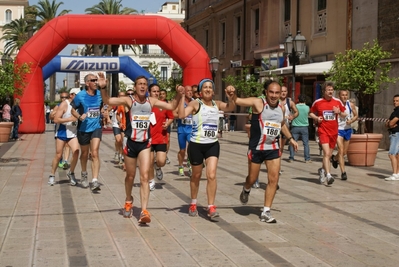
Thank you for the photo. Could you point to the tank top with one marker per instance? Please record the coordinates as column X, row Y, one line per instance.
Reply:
column 205, row 124
column 185, row 125
column 342, row 121
column 138, row 121
column 266, row 128
column 66, row 129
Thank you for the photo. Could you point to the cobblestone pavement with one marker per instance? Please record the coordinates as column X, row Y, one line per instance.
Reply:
column 350, row 223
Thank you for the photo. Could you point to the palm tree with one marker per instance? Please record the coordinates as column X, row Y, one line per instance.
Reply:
column 111, row 7
column 46, row 11
column 15, row 35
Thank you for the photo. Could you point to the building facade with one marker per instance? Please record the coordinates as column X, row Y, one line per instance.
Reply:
column 252, row 32
column 151, row 53
column 9, row 11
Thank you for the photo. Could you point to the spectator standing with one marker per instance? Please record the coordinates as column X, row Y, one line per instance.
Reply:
column 232, row 120
column 16, row 113
column 300, row 128
column 355, row 124
column 6, row 111
column 393, row 129
column 48, row 109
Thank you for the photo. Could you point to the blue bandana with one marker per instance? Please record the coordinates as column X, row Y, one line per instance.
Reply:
column 204, row 81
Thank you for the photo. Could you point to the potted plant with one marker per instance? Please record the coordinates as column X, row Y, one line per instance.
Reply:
column 364, row 73
column 11, row 83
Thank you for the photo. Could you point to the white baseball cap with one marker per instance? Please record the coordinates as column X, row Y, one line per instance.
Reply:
column 74, row 91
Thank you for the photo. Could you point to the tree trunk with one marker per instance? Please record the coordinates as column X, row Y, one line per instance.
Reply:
column 115, row 76
column 52, row 87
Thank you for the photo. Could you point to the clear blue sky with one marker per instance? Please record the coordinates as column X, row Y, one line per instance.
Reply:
column 79, row 6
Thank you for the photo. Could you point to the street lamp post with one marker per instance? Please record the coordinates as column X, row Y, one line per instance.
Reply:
column 5, row 59
column 213, row 66
column 150, row 80
column 294, row 47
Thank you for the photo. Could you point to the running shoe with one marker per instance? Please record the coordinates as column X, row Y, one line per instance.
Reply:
column 72, row 178
column 61, row 164
column 51, row 180
column 188, row 163
column 152, row 185
column 116, row 156
column 322, row 175
column 330, row 179
column 267, row 217
column 167, row 160
column 244, row 196
column 212, row 213
column 393, row 177
column 190, row 171
column 344, row 176
column 192, row 211
column 128, row 209
column 334, row 162
column 145, row 217
column 256, row 184
column 158, row 173
column 181, row 171
column 95, row 186
column 65, row 165
column 83, row 181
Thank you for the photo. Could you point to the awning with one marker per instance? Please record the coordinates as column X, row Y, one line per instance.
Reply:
column 318, row 68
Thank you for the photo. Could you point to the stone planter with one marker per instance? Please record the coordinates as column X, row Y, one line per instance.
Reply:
column 5, row 131
column 363, row 148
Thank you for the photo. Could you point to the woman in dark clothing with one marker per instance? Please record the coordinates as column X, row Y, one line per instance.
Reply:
column 16, row 114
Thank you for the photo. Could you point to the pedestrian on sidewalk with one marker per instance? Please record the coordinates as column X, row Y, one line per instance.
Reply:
column 300, row 128
column 267, row 124
column 204, row 144
column 137, row 142
column 16, row 113
column 393, row 129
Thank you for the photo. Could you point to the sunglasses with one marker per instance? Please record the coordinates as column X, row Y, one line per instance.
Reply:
column 93, row 80
column 63, row 97
column 129, row 94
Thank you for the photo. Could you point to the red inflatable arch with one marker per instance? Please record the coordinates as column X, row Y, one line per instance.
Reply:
column 103, row 29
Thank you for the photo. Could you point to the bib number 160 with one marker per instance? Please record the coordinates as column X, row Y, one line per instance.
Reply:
column 209, row 133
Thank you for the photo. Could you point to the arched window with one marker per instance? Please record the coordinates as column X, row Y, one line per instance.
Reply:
column 8, row 16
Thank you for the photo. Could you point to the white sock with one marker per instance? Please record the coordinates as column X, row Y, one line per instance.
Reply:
column 265, row 209
column 193, row 201
column 94, row 180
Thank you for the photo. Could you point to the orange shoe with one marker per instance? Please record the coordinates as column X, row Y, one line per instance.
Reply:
column 128, row 209
column 145, row 217
column 212, row 213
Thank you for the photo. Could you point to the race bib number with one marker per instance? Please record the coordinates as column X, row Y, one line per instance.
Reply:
column 93, row 112
column 187, row 121
column 210, row 131
column 271, row 129
column 141, row 122
column 328, row 115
